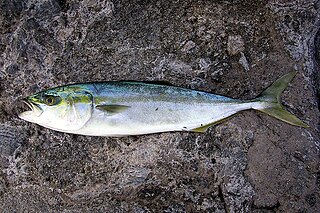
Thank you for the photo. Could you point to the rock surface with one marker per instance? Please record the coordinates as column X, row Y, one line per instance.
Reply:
column 250, row 163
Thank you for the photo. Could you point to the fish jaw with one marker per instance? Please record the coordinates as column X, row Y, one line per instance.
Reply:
column 32, row 114
column 27, row 116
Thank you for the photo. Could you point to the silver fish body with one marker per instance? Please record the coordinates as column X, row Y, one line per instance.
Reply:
column 135, row 108
column 156, row 108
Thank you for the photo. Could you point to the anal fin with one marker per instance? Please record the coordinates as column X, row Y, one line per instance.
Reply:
column 204, row 128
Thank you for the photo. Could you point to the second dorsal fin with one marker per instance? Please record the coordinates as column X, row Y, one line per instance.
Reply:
column 164, row 83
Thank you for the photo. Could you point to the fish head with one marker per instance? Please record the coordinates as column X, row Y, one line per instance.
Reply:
column 64, row 109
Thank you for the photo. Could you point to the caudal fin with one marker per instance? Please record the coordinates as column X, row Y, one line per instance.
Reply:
column 272, row 95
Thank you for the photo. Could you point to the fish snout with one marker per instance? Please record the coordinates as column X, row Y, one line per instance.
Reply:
column 26, row 107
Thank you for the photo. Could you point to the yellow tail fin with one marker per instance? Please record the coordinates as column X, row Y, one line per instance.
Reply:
column 272, row 95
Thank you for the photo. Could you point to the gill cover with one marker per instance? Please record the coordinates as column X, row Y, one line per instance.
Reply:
column 81, row 106
column 71, row 115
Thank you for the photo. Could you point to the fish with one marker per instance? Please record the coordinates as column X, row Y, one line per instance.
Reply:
column 122, row 108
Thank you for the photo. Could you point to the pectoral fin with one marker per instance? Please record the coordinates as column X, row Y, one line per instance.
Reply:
column 112, row 108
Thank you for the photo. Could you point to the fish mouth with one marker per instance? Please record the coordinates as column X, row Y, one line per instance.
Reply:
column 26, row 102
column 28, row 108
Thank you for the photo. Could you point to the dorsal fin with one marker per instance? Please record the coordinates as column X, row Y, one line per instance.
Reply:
column 164, row 83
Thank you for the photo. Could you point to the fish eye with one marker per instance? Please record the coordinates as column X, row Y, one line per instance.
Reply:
column 51, row 100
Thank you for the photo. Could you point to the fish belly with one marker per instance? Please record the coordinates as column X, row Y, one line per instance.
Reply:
column 152, row 117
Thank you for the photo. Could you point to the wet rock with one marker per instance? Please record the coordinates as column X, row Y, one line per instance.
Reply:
column 249, row 163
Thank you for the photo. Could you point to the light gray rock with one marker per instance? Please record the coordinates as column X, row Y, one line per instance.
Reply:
column 235, row 45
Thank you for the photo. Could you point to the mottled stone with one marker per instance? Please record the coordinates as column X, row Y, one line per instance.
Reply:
column 235, row 44
column 188, row 46
column 249, row 163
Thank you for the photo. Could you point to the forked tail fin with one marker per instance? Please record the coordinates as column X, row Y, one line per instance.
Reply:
column 272, row 95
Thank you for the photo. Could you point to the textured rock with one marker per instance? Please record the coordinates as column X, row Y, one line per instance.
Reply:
column 250, row 163
column 235, row 45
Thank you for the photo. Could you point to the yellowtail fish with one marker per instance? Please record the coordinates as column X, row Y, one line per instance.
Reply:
column 135, row 108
